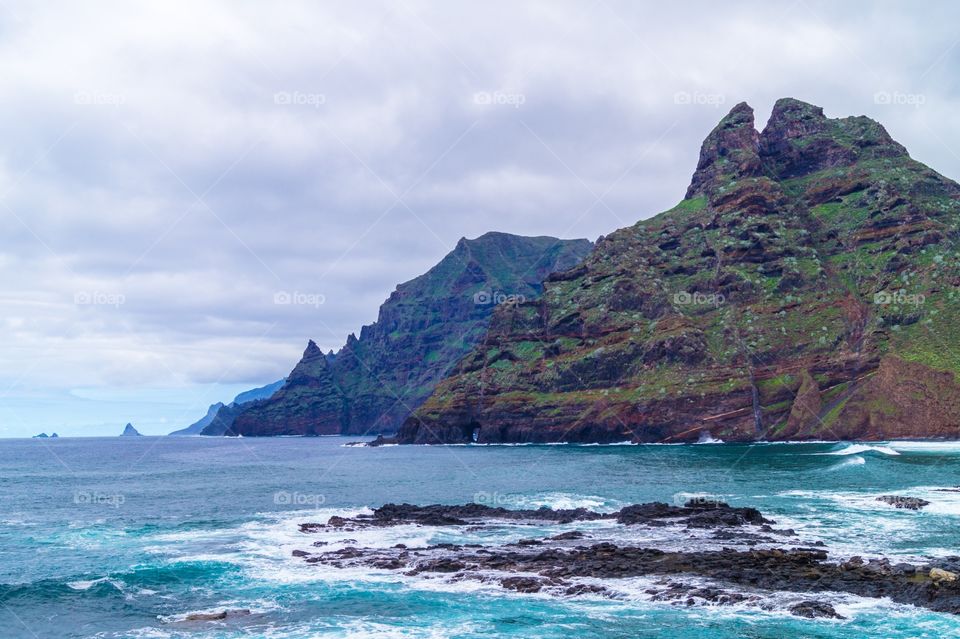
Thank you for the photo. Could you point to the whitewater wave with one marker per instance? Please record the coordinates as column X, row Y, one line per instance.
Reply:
column 235, row 607
column 564, row 501
column 856, row 449
column 87, row 584
column 926, row 446
column 707, row 438
column 855, row 460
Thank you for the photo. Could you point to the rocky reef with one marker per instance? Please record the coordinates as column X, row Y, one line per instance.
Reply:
column 805, row 288
column 377, row 379
column 702, row 553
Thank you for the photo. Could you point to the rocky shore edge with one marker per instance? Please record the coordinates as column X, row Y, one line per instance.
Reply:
column 751, row 558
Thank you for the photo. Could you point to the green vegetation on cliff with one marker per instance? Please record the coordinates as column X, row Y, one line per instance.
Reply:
column 808, row 268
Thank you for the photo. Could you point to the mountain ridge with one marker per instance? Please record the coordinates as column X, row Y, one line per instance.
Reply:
column 425, row 325
column 796, row 292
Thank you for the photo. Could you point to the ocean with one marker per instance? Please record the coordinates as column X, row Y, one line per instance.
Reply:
column 130, row 537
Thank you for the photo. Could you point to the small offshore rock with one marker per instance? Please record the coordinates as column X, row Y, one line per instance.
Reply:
column 907, row 503
column 815, row 610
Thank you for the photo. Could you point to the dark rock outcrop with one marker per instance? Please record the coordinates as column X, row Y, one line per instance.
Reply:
column 908, row 503
column 746, row 568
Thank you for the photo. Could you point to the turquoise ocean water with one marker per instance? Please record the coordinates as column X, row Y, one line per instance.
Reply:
column 126, row 537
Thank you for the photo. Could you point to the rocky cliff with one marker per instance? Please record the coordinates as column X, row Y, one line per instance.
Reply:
column 377, row 379
column 804, row 288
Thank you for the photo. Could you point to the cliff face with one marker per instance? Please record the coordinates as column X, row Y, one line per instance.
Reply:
column 375, row 381
column 803, row 289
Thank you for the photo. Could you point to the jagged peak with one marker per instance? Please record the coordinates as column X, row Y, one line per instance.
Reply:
column 799, row 139
column 794, row 109
column 730, row 151
column 312, row 351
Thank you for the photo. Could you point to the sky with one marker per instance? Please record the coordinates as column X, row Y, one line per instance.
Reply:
column 172, row 172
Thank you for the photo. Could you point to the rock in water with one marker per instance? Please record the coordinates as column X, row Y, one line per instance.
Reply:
column 814, row 610
column 129, row 431
column 909, row 503
column 771, row 303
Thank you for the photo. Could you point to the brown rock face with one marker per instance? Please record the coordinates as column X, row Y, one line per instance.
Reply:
column 805, row 412
column 804, row 289
column 902, row 400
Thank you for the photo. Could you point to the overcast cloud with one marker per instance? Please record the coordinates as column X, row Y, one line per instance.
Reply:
column 168, row 168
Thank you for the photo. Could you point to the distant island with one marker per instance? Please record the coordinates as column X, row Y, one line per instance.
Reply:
column 130, row 431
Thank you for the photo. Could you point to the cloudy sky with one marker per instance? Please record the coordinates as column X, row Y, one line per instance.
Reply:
column 168, row 168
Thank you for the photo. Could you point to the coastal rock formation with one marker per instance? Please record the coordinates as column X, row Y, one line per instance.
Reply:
column 909, row 503
column 376, row 380
column 805, row 288
column 703, row 553
column 129, row 431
